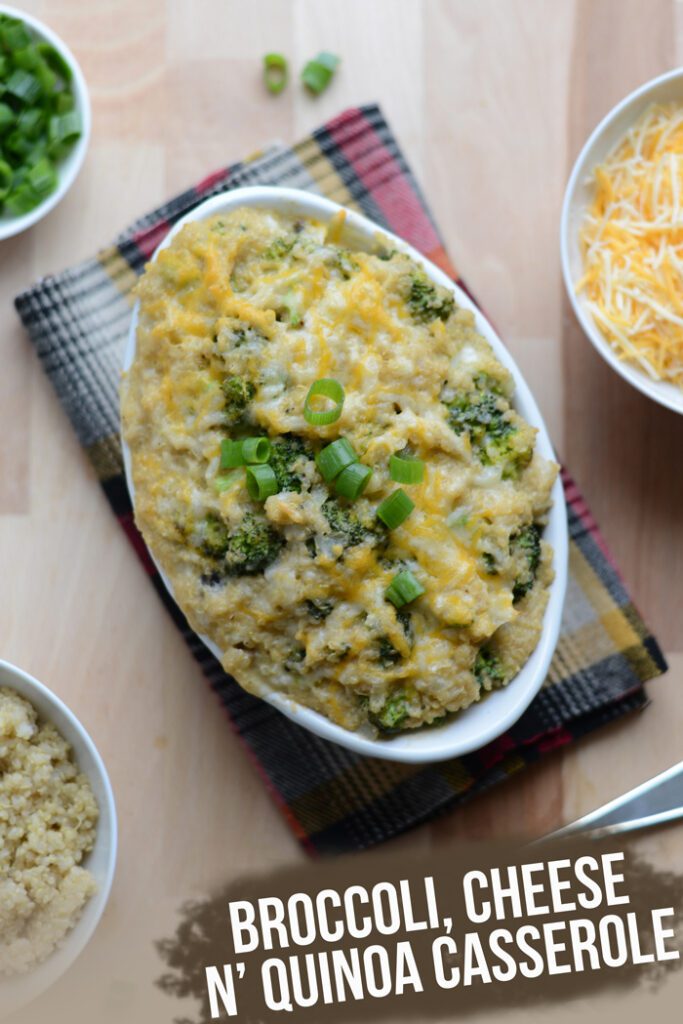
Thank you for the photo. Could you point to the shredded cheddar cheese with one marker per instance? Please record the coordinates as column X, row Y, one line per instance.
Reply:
column 632, row 245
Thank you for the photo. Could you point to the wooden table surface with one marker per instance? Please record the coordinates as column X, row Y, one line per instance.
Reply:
column 491, row 101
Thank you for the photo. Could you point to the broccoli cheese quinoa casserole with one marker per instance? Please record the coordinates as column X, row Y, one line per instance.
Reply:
column 329, row 469
column 48, row 819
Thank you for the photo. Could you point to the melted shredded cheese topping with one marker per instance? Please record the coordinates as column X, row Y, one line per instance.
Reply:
column 259, row 306
column 632, row 245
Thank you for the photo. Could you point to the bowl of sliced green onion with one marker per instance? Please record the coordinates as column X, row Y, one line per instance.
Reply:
column 44, row 120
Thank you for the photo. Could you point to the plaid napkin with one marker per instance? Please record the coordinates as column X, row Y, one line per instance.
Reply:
column 334, row 800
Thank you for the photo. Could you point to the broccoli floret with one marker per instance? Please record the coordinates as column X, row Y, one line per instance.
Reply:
column 319, row 610
column 285, row 454
column 280, row 248
column 494, row 437
column 244, row 552
column 252, row 547
column 391, row 716
column 345, row 263
column 246, row 335
column 488, row 669
column 428, row 303
column 345, row 522
column 404, row 617
column 489, row 563
column 294, row 658
column 526, row 545
column 215, row 536
column 387, row 653
column 238, row 394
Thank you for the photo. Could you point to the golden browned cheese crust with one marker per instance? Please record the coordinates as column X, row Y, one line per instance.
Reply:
column 238, row 317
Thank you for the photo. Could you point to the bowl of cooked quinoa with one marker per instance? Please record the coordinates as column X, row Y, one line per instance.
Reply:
column 58, row 837
column 342, row 476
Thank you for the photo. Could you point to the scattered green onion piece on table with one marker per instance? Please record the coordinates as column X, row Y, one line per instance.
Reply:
column 328, row 388
column 228, row 480
column 317, row 74
column 335, row 457
column 261, row 482
column 395, row 509
column 256, row 450
column 353, row 480
column 231, row 454
column 403, row 589
column 405, row 470
column 275, row 72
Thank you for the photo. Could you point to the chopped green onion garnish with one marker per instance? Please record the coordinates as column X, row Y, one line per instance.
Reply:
column 5, row 179
column 23, row 86
column 275, row 72
column 317, row 74
column 353, row 480
column 38, row 120
column 405, row 470
column 54, row 60
column 64, row 129
column 6, row 117
column 403, row 589
column 231, row 454
column 261, row 482
column 335, row 457
column 326, row 387
column 395, row 509
column 256, row 449
column 42, row 177
column 224, row 483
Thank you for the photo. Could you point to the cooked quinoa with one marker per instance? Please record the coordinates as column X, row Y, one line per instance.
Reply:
column 238, row 317
column 48, row 818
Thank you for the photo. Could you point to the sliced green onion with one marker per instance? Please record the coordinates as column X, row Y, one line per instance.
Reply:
column 14, row 35
column 64, row 129
column 335, row 457
column 405, row 470
column 6, row 117
column 403, row 589
column 329, row 388
column 256, row 449
column 55, row 61
column 395, row 509
column 23, row 86
column 224, row 483
column 353, row 480
column 5, row 179
column 31, row 122
column 27, row 58
column 317, row 74
column 261, row 482
column 275, row 72
column 42, row 177
column 231, row 454
column 22, row 201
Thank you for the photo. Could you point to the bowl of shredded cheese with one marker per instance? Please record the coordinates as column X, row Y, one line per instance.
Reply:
column 622, row 239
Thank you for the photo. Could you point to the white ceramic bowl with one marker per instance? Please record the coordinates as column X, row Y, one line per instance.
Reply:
column 68, row 168
column 101, row 861
column 481, row 722
column 578, row 196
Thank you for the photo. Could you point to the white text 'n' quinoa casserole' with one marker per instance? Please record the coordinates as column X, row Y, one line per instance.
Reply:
column 392, row 619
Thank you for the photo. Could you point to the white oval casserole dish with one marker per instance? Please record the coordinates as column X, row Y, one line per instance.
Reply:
column 480, row 723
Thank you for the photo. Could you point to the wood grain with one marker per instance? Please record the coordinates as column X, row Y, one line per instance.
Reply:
column 491, row 102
